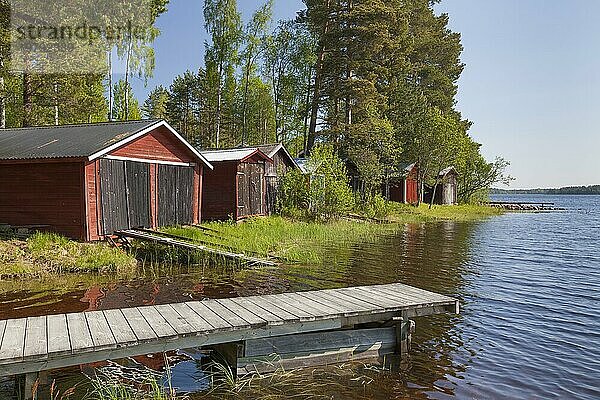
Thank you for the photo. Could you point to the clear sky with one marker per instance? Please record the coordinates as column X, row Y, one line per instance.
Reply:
column 531, row 85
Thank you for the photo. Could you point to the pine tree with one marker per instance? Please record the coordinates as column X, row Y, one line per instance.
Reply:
column 129, row 111
column 155, row 106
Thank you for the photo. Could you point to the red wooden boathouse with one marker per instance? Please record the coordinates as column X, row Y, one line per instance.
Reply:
column 236, row 188
column 88, row 181
column 405, row 188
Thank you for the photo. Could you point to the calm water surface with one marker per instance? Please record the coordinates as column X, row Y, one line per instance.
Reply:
column 529, row 285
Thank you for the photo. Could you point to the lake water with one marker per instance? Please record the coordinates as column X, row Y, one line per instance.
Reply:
column 529, row 286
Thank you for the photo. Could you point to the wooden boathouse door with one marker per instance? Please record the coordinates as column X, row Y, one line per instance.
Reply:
column 175, row 195
column 250, row 190
column 256, row 189
column 125, row 194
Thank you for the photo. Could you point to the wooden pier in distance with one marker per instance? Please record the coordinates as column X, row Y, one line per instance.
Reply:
column 243, row 328
column 524, row 206
column 170, row 240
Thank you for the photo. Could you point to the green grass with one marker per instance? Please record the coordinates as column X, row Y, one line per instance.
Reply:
column 302, row 242
column 290, row 241
column 45, row 253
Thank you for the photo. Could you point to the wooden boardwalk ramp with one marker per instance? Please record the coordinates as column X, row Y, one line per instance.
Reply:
column 31, row 345
column 170, row 240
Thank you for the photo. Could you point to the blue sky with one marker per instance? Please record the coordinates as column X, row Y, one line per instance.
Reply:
column 531, row 85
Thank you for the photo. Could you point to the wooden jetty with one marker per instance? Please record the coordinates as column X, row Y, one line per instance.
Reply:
column 170, row 240
column 240, row 328
column 524, row 206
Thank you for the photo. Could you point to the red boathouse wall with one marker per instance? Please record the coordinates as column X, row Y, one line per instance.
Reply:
column 65, row 195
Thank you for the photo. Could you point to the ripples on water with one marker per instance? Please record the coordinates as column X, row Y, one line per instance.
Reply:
column 529, row 286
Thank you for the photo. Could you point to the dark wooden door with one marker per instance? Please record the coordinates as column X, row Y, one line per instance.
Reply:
column 250, row 190
column 272, row 185
column 242, row 192
column 113, row 195
column 175, row 195
column 137, row 176
column 125, row 195
column 256, row 189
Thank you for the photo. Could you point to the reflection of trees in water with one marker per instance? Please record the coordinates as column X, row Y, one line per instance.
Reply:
column 432, row 257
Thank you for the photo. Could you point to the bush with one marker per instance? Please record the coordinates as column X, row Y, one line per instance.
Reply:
column 374, row 206
column 294, row 197
column 323, row 193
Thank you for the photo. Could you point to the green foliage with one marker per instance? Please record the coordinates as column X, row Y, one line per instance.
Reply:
column 155, row 106
column 476, row 175
column 323, row 194
column 60, row 253
column 292, row 241
column 302, row 241
column 255, row 38
column 223, row 23
column 330, row 195
column 373, row 206
column 294, row 194
column 126, row 107
column 289, row 60
column 109, row 388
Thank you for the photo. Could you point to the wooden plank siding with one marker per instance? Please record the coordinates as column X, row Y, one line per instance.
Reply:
column 273, row 171
column 44, row 194
column 158, row 145
column 219, row 195
column 66, row 195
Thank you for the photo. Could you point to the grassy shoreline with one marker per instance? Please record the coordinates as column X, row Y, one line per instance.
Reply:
column 47, row 253
column 300, row 241
column 288, row 240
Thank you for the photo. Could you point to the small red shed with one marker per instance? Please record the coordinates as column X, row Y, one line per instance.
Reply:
column 405, row 188
column 88, row 181
column 236, row 187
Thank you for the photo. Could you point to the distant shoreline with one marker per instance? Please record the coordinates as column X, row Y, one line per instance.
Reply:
column 571, row 190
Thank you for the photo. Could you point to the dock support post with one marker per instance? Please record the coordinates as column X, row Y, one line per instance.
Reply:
column 404, row 330
column 229, row 354
column 29, row 382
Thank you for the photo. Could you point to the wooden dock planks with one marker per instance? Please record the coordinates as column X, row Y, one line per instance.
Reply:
column 38, row 343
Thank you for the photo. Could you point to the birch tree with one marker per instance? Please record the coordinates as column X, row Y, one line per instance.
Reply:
column 223, row 23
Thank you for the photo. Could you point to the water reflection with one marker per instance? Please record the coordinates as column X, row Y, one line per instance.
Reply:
column 529, row 286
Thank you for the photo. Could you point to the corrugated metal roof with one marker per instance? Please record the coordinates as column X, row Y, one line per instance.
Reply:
column 270, row 149
column 302, row 163
column 228, row 155
column 446, row 171
column 67, row 141
column 407, row 167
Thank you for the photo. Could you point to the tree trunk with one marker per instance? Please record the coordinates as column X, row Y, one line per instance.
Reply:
column 110, row 87
column 276, row 98
column 126, row 92
column 433, row 194
column 307, row 112
column 56, row 110
column 27, row 100
column 2, row 97
column 245, row 105
column 314, row 114
column 314, row 110
column 348, row 81
column 219, row 95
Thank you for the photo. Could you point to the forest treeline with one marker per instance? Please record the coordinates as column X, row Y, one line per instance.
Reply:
column 375, row 79
column 569, row 190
